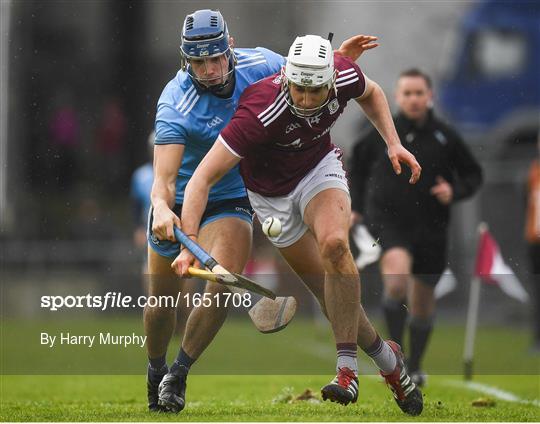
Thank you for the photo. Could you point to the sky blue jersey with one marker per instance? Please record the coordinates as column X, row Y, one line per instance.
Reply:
column 194, row 119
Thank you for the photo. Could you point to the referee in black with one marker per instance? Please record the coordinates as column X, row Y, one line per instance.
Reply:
column 411, row 221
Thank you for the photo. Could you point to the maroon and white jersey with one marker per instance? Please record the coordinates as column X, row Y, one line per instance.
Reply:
column 277, row 147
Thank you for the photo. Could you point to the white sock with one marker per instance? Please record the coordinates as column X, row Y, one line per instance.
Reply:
column 382, row 355
column 347, row 362
column 346, row 357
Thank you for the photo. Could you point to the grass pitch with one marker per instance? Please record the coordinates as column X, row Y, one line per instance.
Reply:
column 240, row 350
column 248, row 398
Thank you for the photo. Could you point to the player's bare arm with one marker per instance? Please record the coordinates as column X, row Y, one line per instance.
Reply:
column 354, row 47
column 167, row 161
column 375, row 106
column 217, row 162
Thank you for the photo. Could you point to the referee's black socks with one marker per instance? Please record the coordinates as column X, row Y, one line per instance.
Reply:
column 419, row 332
column 395, row 314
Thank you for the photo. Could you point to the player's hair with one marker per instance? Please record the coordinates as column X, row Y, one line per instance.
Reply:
column 415, row 72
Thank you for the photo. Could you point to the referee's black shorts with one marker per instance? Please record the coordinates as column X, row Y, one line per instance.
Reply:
column 426, row 245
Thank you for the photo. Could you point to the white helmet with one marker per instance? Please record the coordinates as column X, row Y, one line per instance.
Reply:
column 310, row 63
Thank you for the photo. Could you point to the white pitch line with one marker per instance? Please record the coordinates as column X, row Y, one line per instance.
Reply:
column 493, row 391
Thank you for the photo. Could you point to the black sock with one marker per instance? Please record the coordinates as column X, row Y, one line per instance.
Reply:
column 395, row 314
column 182, row 360
column 157, row 368
column 157, row 364
column 419, row 332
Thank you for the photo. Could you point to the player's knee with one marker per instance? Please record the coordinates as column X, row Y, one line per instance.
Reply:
column 334, row 248
column 396, row 261
column 159, row 313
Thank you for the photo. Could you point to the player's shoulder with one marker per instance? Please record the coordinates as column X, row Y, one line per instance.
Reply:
column 347, row 71
column 263, row 95
column 255, row 64
column 178, row 92
column 179, row 97
column 255, row 56
column 342, row 64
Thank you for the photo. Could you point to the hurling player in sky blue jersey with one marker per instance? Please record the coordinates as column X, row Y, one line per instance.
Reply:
column 193, row 109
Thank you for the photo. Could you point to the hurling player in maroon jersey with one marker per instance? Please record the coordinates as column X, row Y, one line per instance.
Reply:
column 280, row 136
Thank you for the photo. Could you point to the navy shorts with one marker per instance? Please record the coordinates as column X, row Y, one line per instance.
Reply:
column 427, row 246
column 235, row 208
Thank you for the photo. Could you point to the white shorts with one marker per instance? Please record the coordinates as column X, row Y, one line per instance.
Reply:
column 328, row 173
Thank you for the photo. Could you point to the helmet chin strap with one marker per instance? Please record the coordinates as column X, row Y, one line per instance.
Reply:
column 224, row 89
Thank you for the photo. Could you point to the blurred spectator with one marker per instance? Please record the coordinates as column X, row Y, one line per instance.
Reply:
column 113, row 128
column 112, row 133
column 64, row 140
column 532, row 236
column 141, row 186
column 411, row 221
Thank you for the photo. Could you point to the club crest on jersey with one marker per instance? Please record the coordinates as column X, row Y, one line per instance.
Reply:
column 292, row 127
column 333, row 106
column 277, row 80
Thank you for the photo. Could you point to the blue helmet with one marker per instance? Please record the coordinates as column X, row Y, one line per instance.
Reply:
column 205, row 35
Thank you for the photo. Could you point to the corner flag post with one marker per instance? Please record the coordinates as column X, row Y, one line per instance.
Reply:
column 472, row 319
column 470, row 330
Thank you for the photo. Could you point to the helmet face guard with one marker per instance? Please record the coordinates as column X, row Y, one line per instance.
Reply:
column 205, row 37
column 209, row 82
column 303, row 112
column 310, row 64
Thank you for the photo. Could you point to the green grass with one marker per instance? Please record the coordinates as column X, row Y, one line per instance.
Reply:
column 302, row 348
column 243, row 398
column 223, row 385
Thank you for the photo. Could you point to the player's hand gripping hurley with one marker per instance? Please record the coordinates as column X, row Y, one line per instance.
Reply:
column 269, row 314
column 217, row 273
